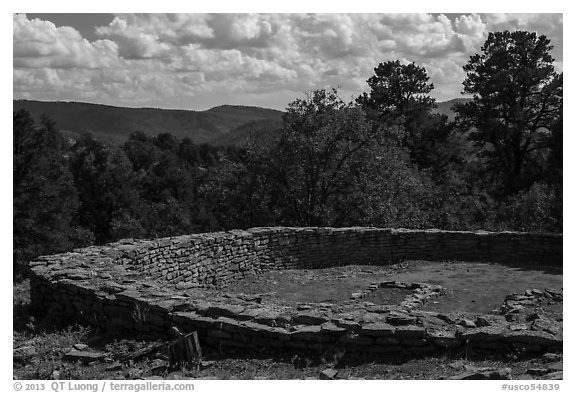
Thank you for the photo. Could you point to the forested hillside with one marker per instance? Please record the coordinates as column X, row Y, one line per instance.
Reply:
column 112, row 124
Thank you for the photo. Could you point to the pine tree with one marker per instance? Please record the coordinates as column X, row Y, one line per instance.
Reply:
column 44, row 196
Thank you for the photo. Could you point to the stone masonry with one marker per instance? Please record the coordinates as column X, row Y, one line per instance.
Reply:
column 147, row 286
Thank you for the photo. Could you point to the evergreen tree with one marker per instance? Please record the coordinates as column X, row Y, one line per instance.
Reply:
column 109, row 203
column 517, row 97
column 44, row 196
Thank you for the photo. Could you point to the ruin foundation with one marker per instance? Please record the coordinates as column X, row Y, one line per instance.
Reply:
column 148, row 286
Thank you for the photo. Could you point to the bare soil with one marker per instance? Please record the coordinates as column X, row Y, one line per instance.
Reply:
column 479, row 287
column 470, row 286
column 331, row 285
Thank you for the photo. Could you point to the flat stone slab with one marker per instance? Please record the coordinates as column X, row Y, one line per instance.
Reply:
column 84, row 356
column 499, row 374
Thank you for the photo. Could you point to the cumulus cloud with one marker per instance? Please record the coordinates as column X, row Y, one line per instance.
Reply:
column 40, row 44
column 133, row 43
column 200, row 60
column 550, row 25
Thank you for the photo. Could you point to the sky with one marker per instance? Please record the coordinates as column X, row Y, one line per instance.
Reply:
column 198, row 61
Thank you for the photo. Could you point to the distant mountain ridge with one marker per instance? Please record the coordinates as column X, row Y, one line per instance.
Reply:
column 114, row 124
column 445, row 107
column 221, row 125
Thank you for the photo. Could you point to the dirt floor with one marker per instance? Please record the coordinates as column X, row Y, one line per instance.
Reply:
column 470, row 286
column 479, row 287
column 331, row 285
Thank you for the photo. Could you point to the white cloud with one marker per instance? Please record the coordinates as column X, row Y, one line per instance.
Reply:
column 201, row 60
column 39, row 44
column 132, row 42
column 550, row 25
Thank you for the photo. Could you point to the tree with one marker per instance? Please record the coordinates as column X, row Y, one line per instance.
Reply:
column 167, row 172
column 517, row 97
column 327, row 166
column 398, row 93
column 44, row 196
column 399, row 104
column 109, row 204
column 555, row 158
column 320, row 150
column 237, row 194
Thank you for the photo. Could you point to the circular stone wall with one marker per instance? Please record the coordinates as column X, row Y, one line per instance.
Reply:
column 148, row 286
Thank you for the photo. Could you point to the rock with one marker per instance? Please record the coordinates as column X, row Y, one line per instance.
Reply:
column 443, row 338
column 180, row 375
column 186, row 285
column 303, row 307
column 457, row 365
column 449, row 319
column 252, row 298
column 558, row 366
column 157, row 367
column 556, row 295
column 77, row 276
column 348, row 325
column 499, row 374
column 546, row 325
column 331, row 328
column 411, row 331
column 431, row 322
column 114, row 367
column 356, row 295
column 551, row 357
column 466, row 323
column 481, row 322
column 532, row 317
column 524, row 377
column 134, row 373
column 55, row 374
column 328, row 373
column 23, row 353
column 532, row 337
column 554, row 375
column 483, row 334
column 224, row 310
column 510, row 317
column 399, row 319
column 83, row 356
column 306, row 333
column 519, row 326
column 113, row 288
column 309, row 318
column 377, row 329
column 516, row 309
column 536, row 371
column 206, row 363
column 80, row 347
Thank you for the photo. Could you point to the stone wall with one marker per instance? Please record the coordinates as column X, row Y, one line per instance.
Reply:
column 150, row 285
column 217, row 259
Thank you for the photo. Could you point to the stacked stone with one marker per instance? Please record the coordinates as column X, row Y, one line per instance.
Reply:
column 422, row 292
column 151, row 285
